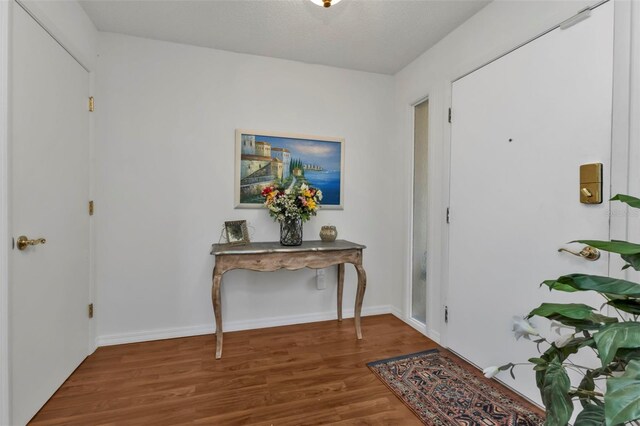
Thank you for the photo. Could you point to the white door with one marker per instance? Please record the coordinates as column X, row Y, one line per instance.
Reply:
column 521, row 128
column 49, row 285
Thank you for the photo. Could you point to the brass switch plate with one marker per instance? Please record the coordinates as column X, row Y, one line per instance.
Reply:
column 591, row 183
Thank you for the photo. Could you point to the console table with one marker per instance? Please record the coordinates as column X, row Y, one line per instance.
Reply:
column 271, row 256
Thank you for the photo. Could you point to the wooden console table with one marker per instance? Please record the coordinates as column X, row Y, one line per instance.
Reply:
column 272, row 256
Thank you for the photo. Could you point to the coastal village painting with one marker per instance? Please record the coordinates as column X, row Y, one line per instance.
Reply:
column 265, row 159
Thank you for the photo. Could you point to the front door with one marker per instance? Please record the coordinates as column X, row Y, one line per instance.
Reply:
column 49, row 284
column 521, row 128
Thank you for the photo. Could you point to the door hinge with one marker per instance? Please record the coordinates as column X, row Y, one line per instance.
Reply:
column 448, row 216
column 90, row 310
column 91, row 208
column 446, row 314
column 449, row 115
column 91, row 104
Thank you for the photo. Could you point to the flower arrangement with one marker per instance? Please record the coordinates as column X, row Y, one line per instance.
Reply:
column 609, row 392
column 299, row 202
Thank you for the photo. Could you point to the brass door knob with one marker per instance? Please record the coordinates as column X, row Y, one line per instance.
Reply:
column 588, row 253
column 23, row 242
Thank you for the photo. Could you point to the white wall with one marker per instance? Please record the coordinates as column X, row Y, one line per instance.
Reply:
column 499, row 27
column 166, row 116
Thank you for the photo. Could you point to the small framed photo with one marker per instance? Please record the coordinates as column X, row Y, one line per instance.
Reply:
column 236, row 232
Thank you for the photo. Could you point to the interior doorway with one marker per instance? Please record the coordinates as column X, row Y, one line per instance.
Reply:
column 419, row 237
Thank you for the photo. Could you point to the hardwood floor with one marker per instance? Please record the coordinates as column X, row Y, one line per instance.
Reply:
column 296, row 375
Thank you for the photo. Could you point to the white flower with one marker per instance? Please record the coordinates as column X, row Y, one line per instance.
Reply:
column 562, row 341
column 523, row 328
column 490, row 372
column 287, row 191
column 304, row 187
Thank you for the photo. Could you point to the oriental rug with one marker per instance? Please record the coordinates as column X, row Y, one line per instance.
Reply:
column 442, row 393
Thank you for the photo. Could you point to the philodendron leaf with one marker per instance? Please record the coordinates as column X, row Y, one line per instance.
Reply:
column 631, row 201
column 612, row 337
column 622, row 400
column 633, row 261
column 569, row 310
column 577, row 315
column 555, row 395
column 591, row 415
column 631, row 306
column 583, row 282
column 614, row 246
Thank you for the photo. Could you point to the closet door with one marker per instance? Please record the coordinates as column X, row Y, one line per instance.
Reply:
column 49, row 287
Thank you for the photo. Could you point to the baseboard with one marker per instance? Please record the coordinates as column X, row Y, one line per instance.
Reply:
column 418, row 326
column 171, row 333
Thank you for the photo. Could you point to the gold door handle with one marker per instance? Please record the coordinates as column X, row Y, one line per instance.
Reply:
column 23, row 242
column 588, row 253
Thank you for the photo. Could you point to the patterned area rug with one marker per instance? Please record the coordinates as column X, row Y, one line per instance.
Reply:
column 440, row 392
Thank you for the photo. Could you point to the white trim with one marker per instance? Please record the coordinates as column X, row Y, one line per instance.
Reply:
column 171, row 333
column 5, row 379
column 36, row 12
column 620, row 119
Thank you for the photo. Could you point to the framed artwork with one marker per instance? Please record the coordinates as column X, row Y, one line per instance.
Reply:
column 236, row 232
column 263, row 159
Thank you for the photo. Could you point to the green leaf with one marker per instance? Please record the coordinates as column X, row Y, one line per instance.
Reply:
column 555, row 395
column 622, row 399
column 558, row 285
column 613, row 246
column 627, row 305
column 607, row 285
column 537, row 361
column 633, row 261
column 612, row 337
column 569, row 310
column 631, row 201
column 577, row 315
column 628, row 355
column 591, row 415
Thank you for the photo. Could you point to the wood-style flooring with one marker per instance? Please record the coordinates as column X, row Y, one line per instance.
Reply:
column 295, row 375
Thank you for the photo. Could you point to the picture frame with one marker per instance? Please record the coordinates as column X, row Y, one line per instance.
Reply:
column 263, row 158
column 236, row 232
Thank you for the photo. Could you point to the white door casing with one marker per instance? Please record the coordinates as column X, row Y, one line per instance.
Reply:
column 522, row 126
column 49, row 163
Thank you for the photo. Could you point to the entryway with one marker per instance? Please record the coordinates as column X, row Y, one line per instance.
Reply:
column 521, row 128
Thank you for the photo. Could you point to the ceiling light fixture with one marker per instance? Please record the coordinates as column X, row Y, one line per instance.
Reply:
column 325, row 3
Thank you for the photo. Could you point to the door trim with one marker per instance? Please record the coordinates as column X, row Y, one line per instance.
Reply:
column 5, row 25
column 621, row 162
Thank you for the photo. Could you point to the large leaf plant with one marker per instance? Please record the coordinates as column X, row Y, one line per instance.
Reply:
column 609, row 393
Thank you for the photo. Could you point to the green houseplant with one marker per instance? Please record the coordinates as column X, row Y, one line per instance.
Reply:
column 610, row 392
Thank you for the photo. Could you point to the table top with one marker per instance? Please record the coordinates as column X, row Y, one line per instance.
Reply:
column 276, row 247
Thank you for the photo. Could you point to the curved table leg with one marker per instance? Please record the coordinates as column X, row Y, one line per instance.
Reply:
column 217, row 310
column 362, row 286
column 340, row 289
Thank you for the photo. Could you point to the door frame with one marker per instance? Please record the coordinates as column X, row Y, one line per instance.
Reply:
column 65, row 41
column 408, row 301
column 5, row 31
column 621, row 163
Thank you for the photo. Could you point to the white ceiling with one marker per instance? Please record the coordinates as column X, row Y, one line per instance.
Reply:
column 379, row 36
